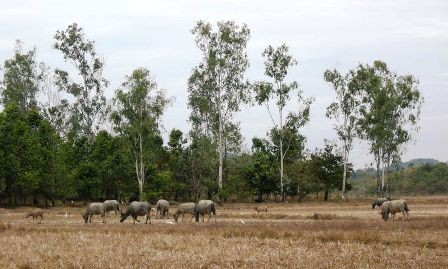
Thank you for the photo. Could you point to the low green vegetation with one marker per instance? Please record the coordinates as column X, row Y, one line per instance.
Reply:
column 419, row 179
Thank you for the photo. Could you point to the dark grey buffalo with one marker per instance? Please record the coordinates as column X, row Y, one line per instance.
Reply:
column 162, row 208
column 392, row 207
column 136, row 209
column 94, row 209
column 185, row 208
column 378, row 202
column 112, row 205
column 204, row 207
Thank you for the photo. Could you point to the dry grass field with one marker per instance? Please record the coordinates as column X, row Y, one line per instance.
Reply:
column 307, row 235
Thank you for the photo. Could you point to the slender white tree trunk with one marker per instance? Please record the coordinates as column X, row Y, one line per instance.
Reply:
column 282, row 191
column 378, row 175
column 344, row 175
column 382, row 178
column 220, row 142
column 140, row 169
column 137, row 173
column 220, row 156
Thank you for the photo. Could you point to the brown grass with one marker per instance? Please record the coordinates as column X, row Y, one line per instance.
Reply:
column 310, row 235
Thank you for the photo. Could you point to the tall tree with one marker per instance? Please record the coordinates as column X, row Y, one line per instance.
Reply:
column 22, row 78
column 326, row 166
column 217, row 86
column 89, row 109
column 277, row 63
column 139, row 106
column 389, row 112
column 55, row 108
column 343, row 111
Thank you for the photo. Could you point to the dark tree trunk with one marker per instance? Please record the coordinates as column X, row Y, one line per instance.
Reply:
column 326, row 195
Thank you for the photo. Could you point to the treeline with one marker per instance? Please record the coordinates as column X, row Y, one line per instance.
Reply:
column 418, row 179
column 61, row 139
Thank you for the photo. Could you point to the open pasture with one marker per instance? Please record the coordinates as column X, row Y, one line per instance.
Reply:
column 306, row 235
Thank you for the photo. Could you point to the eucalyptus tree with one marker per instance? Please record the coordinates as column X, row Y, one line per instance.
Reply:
column 389, row 112
column 343, row 111
column 139, row 105
column 22, row 78
column 217, row 86
column 277, row 63
column 89, row 109
column 54, row 107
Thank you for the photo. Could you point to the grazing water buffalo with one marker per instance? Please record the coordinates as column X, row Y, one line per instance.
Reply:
column 136, row 209
column 261, row 209
column 162, row 207
column 379, row 201
column 204, row 207
column 36, row 213
column 184, row 208
column 94, row 209
column 112, row 205
column 392, row 207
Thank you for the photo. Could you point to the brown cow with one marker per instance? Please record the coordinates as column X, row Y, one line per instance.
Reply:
column 261, row 209
column 36, row 213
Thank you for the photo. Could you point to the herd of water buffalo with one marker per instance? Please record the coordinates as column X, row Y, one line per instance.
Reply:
column 135, row 209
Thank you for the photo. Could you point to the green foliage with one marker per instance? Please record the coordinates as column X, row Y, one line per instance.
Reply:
column 343, row 111
column 139, row 106
column 217, row 86
column 201, row 162
column 389, row 109
column 89, row 109
column 26, row 148
column 56, row 150
column 22, row 78
column 285, row 134
column 421, row 179
column 324, row 169
column 260, row 168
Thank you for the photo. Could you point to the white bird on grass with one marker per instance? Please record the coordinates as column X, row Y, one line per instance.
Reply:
column 66, row 214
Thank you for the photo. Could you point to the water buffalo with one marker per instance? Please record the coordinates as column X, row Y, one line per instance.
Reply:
column 71, row 198
column 261, row 209
column 184, row 208
column 204, row 207
column 162, row 207
column 112, row 205
column 94, row 209
column 136, row 209
column 392, row 207
column 379, row 201
column 36, row 213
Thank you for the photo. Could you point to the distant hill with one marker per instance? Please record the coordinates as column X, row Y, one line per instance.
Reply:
column 427, row 176
column 371, row 172
column 419, row 161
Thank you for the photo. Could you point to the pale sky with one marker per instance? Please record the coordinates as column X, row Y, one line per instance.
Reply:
column 410, row 36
